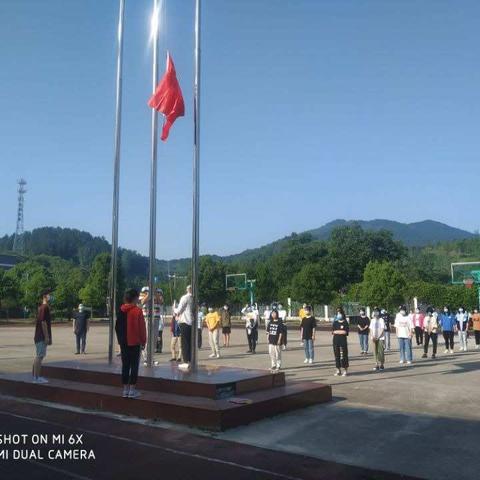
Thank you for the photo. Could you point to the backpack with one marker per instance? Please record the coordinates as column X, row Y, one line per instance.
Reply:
column 121, row 328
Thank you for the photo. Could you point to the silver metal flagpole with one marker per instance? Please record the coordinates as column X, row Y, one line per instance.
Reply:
column 153, row 193
column 112, row 299
column 196, row 186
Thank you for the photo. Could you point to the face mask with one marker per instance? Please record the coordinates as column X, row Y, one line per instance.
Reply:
column 339, row 316
column 362, row 314
column 403, row 312
column 376, row 314
column 445, row 310
column 417, row 311
column 461, row 310
column 225, row 307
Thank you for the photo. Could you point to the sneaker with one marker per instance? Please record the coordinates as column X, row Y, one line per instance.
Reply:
column 409, row 362
column 433, row 356
column 278, row 366
column 337, row 373
column 218, row 355
column 306, row 360
column 284, row 347
column 184, row 366
column 476, row 347
column 460, row 349
column 126, row 392
column 212, row 355
column 447, row 351
column 77, row 353
column 173, row 360
column 424, row 355
column 42, row 380
column 451, row 351
column 376, row 368
column 401, row 362
column 344, row 374
column 134, row 394
column 382, row 367
column 310, row 362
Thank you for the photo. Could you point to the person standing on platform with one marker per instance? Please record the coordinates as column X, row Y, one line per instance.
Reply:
column 159, row 318
column 387, row 320
column 363, row 331
column 202, row 312
column 404, row 328
column 447, row 321
column 144, row 300
column 275, row 331
column 377, row 334
column 282, row 313
column 81, row 324
column 476, row 327
column 43, row 336
column 340, row 329
column 461, row 324
column 251, row 325
column 307, row 327
column 175, row 342
column 132, row 337
column 212, row 321
column 430, row 328
column 226, row 322
column 185, row 312
column 418, row 319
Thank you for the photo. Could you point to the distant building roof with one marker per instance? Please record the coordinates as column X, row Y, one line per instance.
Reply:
column 9, row 261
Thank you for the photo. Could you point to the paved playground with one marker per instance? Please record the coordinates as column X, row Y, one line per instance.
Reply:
column 420, row 421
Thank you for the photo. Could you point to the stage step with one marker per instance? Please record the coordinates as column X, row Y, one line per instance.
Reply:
column 195, row 411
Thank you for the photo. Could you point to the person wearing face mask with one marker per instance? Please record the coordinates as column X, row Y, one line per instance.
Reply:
column 476, row 327
column 226, row 322
column 363, row 326
column 266, row 316
column 418, row 319
column 212, row 321
column 80, row 328
column 43, row 336
column 308, row 326
column 340, row 329
column 461, row 324
column 404, row 328
column 387, row 320
column 447, row 322
column 377, row 334
column 430, row 328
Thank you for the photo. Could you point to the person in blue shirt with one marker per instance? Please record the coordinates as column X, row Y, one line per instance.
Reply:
column 447, row 321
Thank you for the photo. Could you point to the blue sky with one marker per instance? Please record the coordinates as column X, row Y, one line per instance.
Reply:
column 311, row 110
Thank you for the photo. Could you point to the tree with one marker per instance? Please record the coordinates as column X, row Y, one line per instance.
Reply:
column 211, row 282
column 312, row 285
column 382, row 285
column 67, row 291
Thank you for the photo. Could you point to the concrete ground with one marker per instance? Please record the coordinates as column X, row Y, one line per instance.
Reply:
column 421, row 420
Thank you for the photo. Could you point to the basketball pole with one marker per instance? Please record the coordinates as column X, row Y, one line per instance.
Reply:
column 196, row 189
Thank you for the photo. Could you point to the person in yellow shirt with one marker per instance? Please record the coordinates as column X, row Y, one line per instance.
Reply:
column 212, row 321
column 302, row 313
column 476, row 327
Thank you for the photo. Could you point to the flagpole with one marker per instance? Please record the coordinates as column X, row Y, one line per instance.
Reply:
column 153, row 192
column 112, row 299
column 196, row 186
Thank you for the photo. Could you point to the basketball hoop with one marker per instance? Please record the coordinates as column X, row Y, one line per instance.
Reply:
column 468, row 282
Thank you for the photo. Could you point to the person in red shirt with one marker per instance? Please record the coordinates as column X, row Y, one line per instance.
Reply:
column 134, row 339
column 43, row 336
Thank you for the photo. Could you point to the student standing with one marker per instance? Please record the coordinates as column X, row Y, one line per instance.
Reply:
column 266, row 316
column 447, row 322
column 430, row 328
column 377, row 334
column 275, row 332
column 212, row 321
column 282, row 313
column 251, row 327
column 81, row 324
column 132, row 337
column 175, row 343
column 202, row 312
column 418, row 319
column 387, row 320
column 308, row 326
column 363, row 331
column 476, row 327
column 42, row 337
column 461, row 324
column 226, row 321
column 340, row 329
column 404, row 327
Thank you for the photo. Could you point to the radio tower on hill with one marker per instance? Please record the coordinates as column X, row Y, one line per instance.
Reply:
column 19, row 240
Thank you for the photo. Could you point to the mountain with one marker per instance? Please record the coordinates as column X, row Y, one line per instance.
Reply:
column 417, row 234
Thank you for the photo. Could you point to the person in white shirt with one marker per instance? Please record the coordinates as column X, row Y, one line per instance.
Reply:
column 461, row 323
column 185, row 315
column 404, row 328
column 377, row 334
column 430, row 328
column 266, row 315
column 282, row 313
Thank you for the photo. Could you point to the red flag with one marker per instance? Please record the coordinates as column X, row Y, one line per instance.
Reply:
column 168, row 98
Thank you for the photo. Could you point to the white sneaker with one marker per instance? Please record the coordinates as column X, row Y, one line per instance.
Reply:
column 409, row 362
column 134, row 394
column 337, row 373
column 401, row 361
column 306, row 360
column 476, row 347
column 310, row 361
column 278, row 366
column 460, row 349
column 451, row 351
column 344, row 374
column 212, row 355
column 218, row 355
column 126, row 393
column 184, row 366
column 447, row 351
column 42, row 380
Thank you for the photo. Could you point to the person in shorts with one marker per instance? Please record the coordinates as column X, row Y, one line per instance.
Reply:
column 226, row 322
column 43, row 336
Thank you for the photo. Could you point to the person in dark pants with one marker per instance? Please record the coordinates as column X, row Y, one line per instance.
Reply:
column 81, row 325
column 430, row 328
column 132, row 337
column 185, row 316
column 447, row 322
column 340, row 329
column 363, row 331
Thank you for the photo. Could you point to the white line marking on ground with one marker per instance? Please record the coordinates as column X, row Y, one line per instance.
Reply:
column 59, row 470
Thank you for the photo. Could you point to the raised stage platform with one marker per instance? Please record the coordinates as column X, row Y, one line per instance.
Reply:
column 214, row 398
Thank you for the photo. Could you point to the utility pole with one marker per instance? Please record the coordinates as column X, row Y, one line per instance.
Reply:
column 19, row 240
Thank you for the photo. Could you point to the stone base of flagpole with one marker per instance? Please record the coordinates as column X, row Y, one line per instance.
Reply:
column 212, row 398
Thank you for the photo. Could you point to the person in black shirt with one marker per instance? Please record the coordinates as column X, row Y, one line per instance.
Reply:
column 80, row 328
column 275, row 332
column 340, row 329
column 363, row 331
column 387, row 319
column 43, row 336
column 308, row 326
